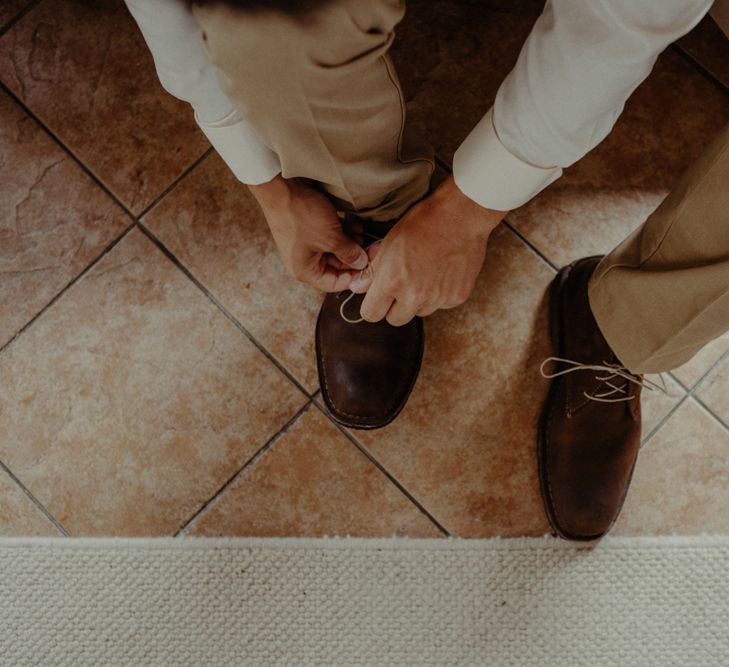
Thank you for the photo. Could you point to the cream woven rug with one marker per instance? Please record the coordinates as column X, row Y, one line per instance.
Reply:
column 350, row 602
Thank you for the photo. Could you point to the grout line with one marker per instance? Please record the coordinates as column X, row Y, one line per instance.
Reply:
column 68, row 286
column 35, row 500
column 263, row 450
column 713, row 414
column 15, row 19
column 724, row 357
column 181, row 177
column 134, row 219
column 705, row 72
column 56, row 139
column 223, row 309
column 677, row 381
column 697, row 385
column 66, row 150
column 662, row 422
column 530, row 245
column 363, row 450
column 691, row 394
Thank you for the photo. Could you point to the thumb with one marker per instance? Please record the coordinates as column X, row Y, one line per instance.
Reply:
column 350, row 253
column 365, row 278
column 373, row 249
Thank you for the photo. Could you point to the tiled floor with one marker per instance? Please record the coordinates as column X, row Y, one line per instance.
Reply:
column 157, row 365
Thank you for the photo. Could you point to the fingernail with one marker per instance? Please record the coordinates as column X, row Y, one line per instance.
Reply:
column 361, row 262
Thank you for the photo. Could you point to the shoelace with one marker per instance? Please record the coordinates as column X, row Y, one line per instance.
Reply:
column 611, row 373
column 352, row 294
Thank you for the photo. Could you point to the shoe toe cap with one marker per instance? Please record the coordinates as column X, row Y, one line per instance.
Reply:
column 363, row 393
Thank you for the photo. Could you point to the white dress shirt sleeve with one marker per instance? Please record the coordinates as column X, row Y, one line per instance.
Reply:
column 579, row 65
column 175, row 40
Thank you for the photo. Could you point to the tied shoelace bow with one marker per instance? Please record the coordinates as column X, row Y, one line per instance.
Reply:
column 352, row 294
column 612, row 374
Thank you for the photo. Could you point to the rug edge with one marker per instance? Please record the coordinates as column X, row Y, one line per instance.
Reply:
column 367, row 543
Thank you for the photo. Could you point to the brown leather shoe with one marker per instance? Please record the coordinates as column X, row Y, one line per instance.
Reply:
column 589, row 434
column 366, row 370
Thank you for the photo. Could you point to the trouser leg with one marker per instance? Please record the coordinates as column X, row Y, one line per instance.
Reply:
column 663, row 293
column 321, row 90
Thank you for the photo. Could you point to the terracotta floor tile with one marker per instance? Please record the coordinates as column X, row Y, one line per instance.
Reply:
column 9, row 9
column 465, row 444
column 53, row 219
column 714, row 390
column 692, row 371
column 214, row 226
column 708, row 45
column 313, row 482
column 19, row 514
column 84, row 69
column 133, row 399
column 448, row 51
column 681, row 481
column 611, row 191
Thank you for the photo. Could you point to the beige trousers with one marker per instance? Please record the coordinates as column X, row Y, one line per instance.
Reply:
column 322, row 92
column 663, row 293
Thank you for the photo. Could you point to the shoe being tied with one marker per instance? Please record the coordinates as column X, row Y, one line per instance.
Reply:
column 366, row 370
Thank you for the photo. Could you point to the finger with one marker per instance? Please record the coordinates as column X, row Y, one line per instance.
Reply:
column 332, row 261
column 375, row 304
column 363, row 280
column 373, row 249
column 426, row 310
column 366, row 277
column 331, row 280
column 400, row 313
column 350, row 253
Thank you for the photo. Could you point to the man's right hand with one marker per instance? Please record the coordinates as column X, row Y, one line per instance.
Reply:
column 310, row 238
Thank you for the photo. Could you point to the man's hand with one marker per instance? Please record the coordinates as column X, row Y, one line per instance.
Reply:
column 429, row 260
column 309, row 235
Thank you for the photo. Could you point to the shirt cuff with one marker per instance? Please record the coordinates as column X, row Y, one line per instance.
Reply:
column 242, row 148
column 488, row 173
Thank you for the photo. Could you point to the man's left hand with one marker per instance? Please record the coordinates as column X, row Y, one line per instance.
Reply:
column 429, row 260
